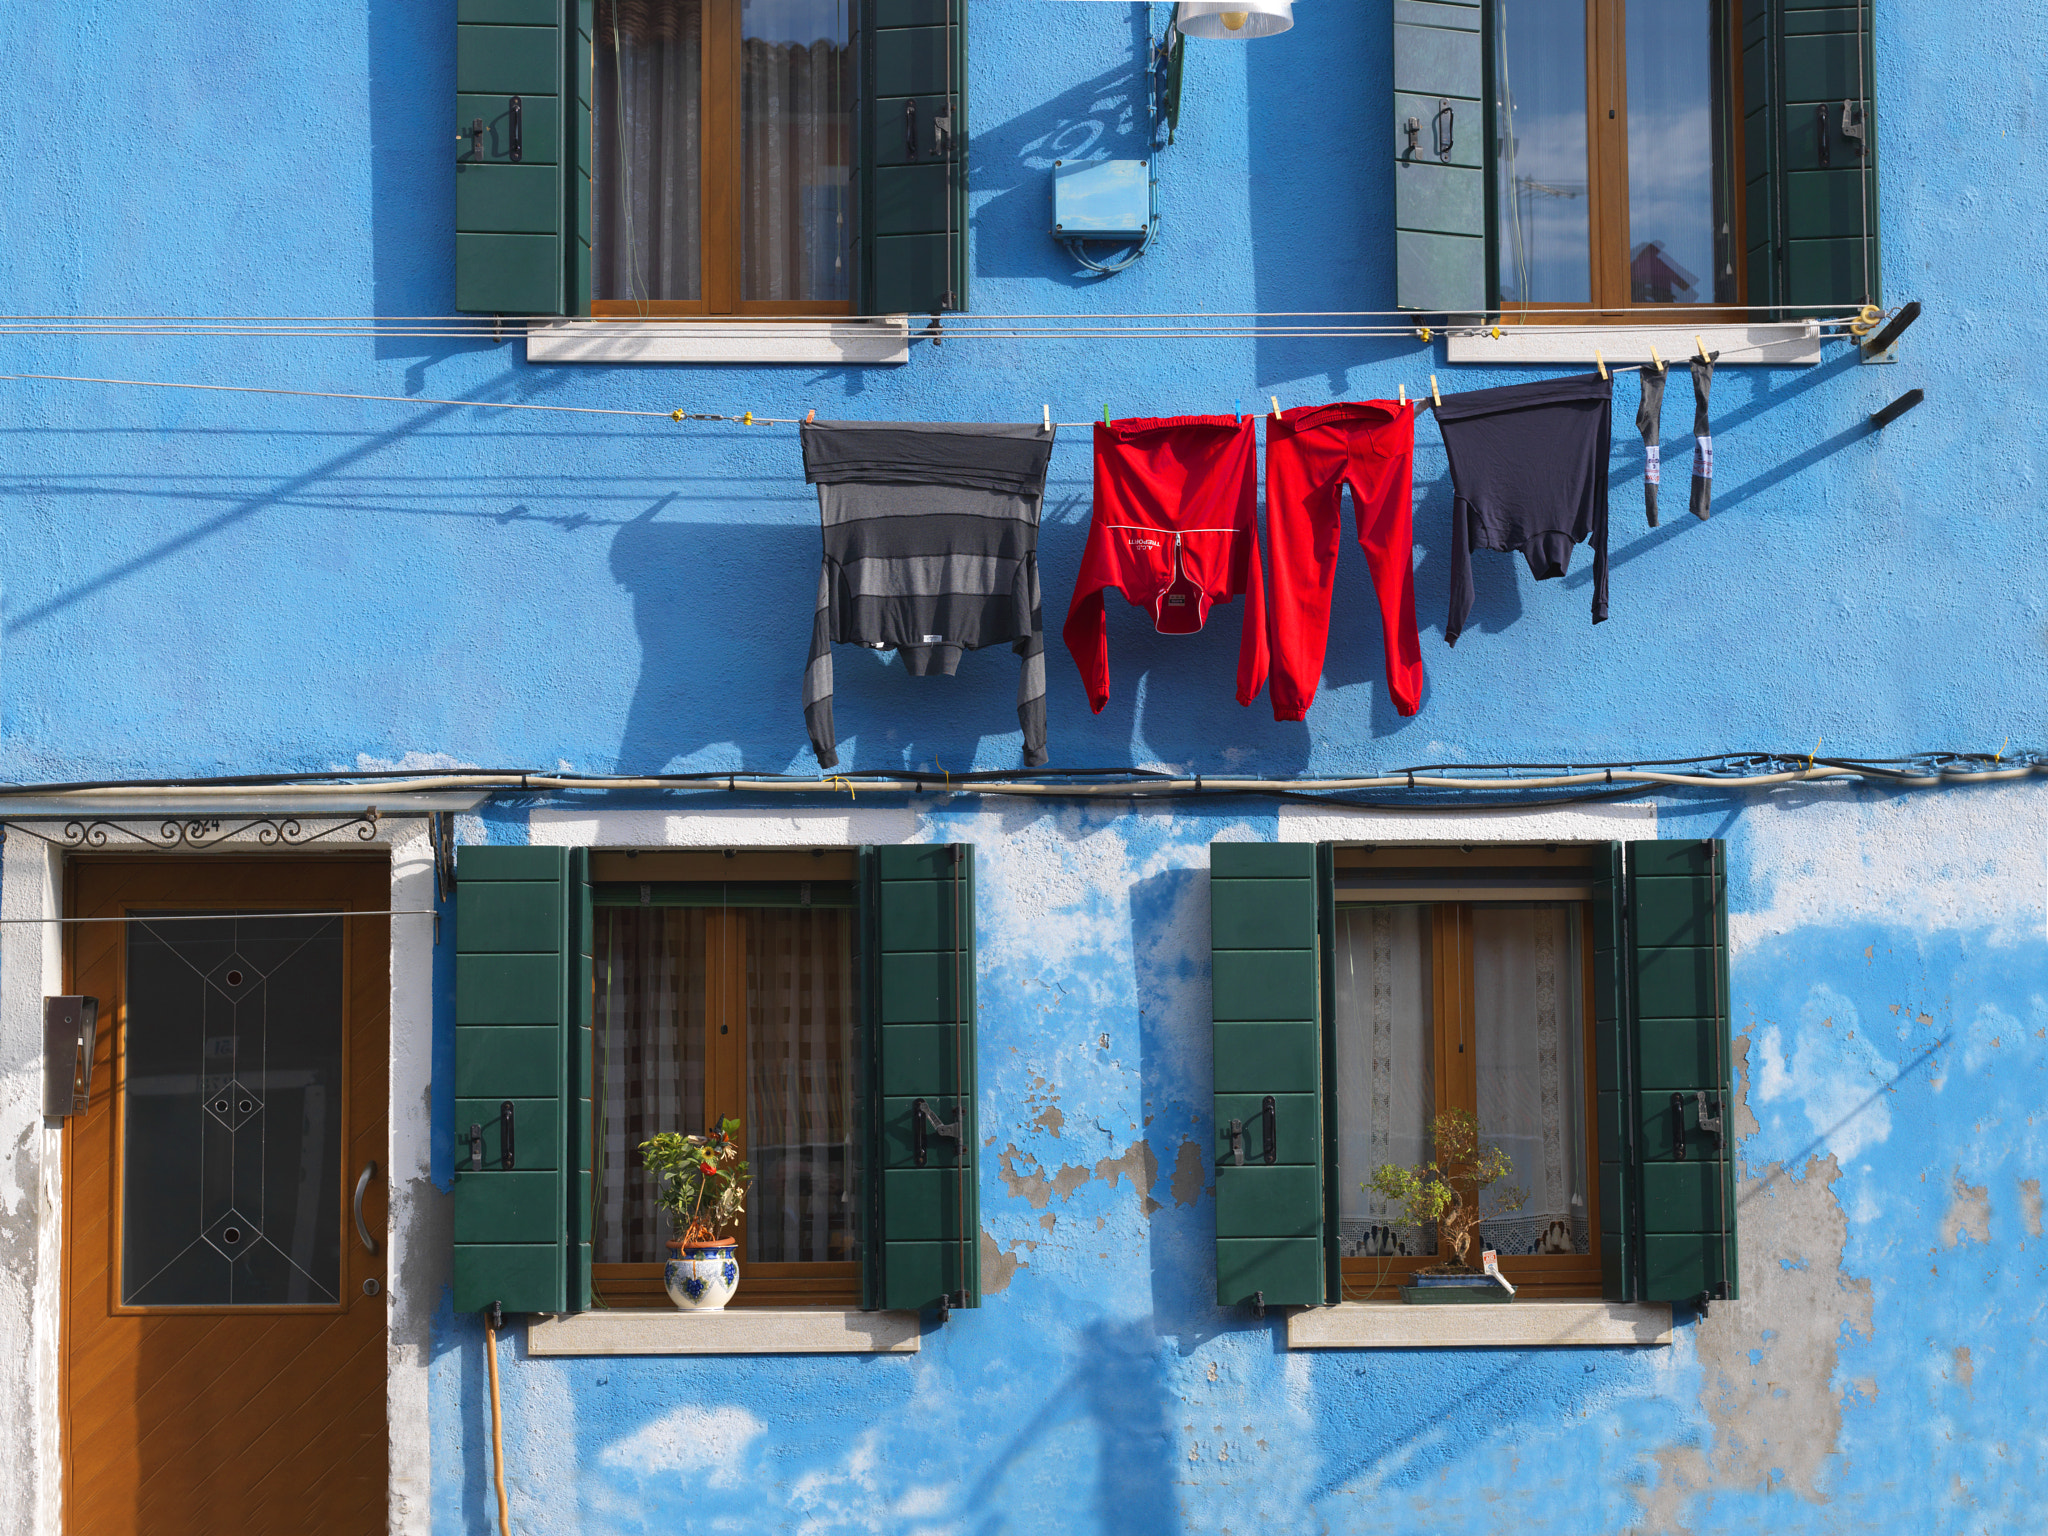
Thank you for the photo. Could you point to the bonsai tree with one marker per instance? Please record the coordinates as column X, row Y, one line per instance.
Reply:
column 702, row 1180
column 1444, row 1191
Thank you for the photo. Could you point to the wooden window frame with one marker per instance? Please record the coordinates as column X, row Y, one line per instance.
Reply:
column 721, row 178
column 1402, row 876
column 1607, row 181
column 815, row 1284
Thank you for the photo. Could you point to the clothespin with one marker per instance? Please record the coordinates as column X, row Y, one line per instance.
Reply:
column 1404, row 394
column 1703, row 348
column 1600, row 362
column 1433, row 395
column 1276, row 406
column 747, row 420
column 1655, row 358
column 1422, row 331
column 676, row 414
column 811, row 417
column 1048, row 418
column 1105, row 413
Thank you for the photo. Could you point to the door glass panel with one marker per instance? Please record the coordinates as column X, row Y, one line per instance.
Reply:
column 800, row 1085
column 645, row 198
column 651, row 970
column 1529, row 1053
column 1677, row 213
column 796, row 138
column 1386, row 1092
column 232, row 1111
column 1545, row 245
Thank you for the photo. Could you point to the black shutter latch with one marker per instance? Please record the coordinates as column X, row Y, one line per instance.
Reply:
column 1269, row 1112
column 1237, row 1143
column 1678, row 1126
column 910, row 128
column 476, row 1148
column 1820, row 126
column 476, row 138
column 505, row 1133
column 518, row 132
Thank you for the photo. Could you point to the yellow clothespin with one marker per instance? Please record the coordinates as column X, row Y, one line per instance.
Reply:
column 747, row 420
column 1703, row 348
column 1422, row 331
column 676, row 414
column 1495, row 333
column 1276, row 406
column 1655, row 358
column 1433, row 395
column 811, row 417
column 1600, row 362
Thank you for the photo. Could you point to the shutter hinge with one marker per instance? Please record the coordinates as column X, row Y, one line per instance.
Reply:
column 921, row 1116
column 1237, row 1142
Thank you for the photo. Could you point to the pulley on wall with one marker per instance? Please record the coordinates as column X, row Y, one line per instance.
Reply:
column 1117, row 201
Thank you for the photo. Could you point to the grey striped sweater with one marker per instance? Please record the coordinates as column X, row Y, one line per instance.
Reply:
column 930, row 549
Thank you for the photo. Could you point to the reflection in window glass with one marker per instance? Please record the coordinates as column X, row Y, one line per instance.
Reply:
column 1386, row 1091
column 644, row 184
column 1544, row 252
column 1529, row 1052
column 1676, row 215
column 796, row 137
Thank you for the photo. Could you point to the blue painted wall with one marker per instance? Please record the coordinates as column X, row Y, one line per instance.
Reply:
column 235, row 583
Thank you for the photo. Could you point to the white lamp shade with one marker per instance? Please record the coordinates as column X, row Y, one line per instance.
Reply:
column 1236, row 20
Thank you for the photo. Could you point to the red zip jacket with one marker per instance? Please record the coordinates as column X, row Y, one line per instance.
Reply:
column 1175, row 529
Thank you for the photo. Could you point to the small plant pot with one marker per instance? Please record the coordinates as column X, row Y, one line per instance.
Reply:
column 701, row 1277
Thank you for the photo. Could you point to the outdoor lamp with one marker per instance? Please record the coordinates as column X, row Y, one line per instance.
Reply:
column 1239, row 20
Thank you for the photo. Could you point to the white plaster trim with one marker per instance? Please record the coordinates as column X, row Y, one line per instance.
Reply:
column 826, row 826
column 341, row 800
column 31, row 966
column 885, row 339
column 743, row 1331
column 1788, row 344
column 1509, row 1325
column 1607, row 822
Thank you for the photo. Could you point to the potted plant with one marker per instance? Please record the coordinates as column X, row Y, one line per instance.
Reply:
column 703, row 1187
column 1443, row 1192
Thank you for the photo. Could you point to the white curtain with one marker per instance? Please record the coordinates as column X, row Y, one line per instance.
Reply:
column 1386, row 1091
column 645, row 208
column 1529, row 1034
column 796, row 101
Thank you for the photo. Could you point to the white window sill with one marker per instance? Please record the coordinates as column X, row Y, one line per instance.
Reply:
column 1509, row 1325
column 734, row 1331
column 1790, row 344
column 883, row 339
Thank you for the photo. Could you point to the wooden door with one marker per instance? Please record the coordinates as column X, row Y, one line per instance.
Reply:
column 224, row 1316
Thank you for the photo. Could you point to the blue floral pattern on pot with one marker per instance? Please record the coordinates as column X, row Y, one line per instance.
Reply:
column 702, row 1278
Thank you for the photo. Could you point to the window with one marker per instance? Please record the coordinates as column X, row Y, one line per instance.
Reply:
column 1480, row 1003
column 1567, row 161
column 733, row 998
column 1614, row 170
column 723, row 169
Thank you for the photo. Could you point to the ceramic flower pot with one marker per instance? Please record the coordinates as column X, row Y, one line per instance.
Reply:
column 701, row 1277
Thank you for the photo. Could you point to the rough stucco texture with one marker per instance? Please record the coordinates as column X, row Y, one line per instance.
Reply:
column 219, row 583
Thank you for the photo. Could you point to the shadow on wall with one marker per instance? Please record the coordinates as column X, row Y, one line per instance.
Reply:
column 1120, row 1387
column 1103, row 118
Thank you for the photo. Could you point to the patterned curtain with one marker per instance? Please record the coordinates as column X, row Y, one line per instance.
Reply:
column 1385, row 1088
column 649, row 1017
column 645, row 208
column 1529, row 1035
column 796, row 119
column 801, row 1084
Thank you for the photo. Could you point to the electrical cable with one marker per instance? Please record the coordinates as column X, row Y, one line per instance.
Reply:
column 208, row 917
column 497, row 1422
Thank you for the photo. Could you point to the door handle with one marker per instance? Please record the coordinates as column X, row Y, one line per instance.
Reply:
column 1678, row 1126
column 518, row 132
column 910, row 128
column 505, row 1134
column 362, row 1183
column 1820, row 123
column 1269, row 1112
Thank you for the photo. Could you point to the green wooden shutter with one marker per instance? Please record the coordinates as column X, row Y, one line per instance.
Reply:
column 1267, row 994
column 1439, row 203
column 1613, row 1068
column 917, row 926
column 522, row 978
column 1810, row 205
column 522, row 227
column 913, row 171
column 1679, row 1028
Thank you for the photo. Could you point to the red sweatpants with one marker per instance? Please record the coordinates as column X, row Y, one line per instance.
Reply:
column 1311, row 453
column 1175, row 529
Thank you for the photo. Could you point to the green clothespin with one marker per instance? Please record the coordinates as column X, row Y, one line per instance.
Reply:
column 1105, row 413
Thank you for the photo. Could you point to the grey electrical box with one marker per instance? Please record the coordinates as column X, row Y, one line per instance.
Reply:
column 70, row 1025
column 1101, row 199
